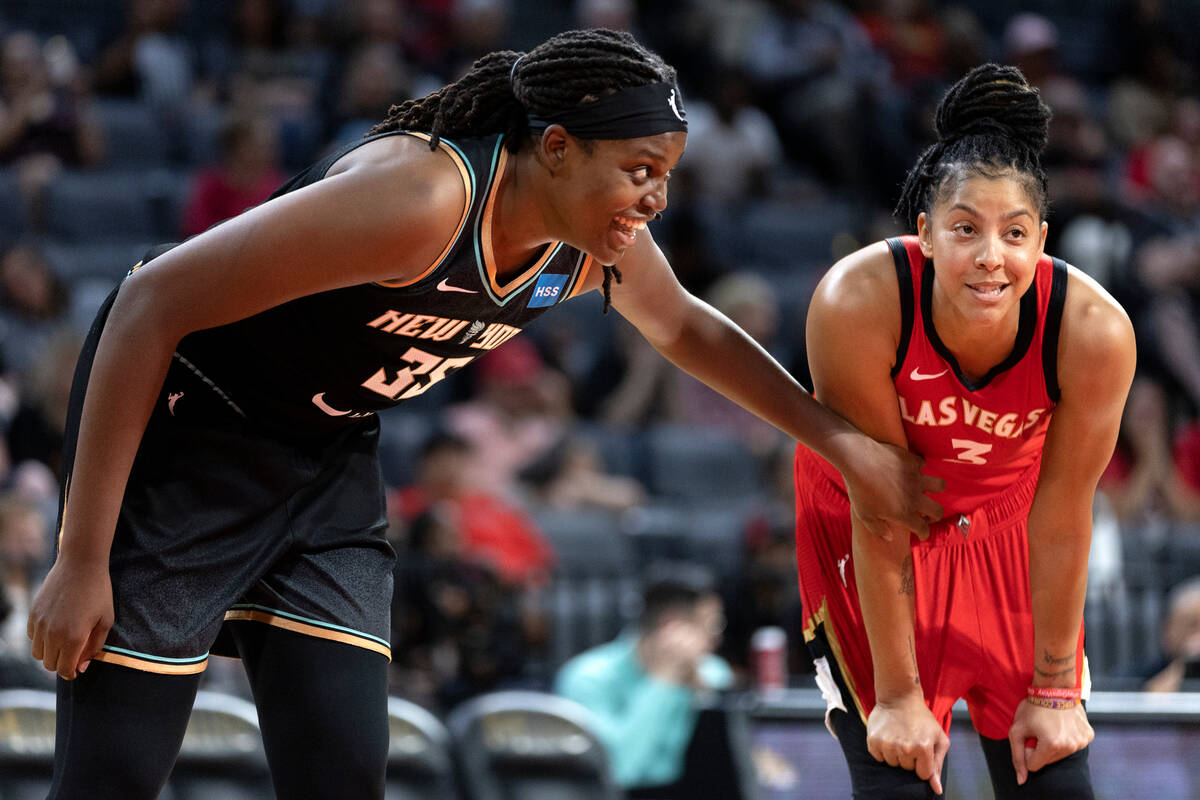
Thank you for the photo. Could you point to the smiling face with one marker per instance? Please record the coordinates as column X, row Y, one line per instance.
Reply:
column 985, row 236
column 607, row 190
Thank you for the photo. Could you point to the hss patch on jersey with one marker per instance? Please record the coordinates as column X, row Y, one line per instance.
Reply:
column 547, row 291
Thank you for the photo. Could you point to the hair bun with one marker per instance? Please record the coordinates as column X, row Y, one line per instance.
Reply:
column 997, row 100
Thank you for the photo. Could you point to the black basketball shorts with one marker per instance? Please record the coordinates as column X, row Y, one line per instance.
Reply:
column 223, row 522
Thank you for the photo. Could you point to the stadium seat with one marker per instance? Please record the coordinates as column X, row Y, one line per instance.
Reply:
column 586, row 541
column 621, row 449
column 782, row 236
column 420, row 762
column 402, row 432
column 222, row 754
column 13, row 217
column 531, row 746
column 75, row 262
column 26, row 743
column 134, row 136
column 99, row 207
column 593, row 591
column 709, row 534
column 699, row 465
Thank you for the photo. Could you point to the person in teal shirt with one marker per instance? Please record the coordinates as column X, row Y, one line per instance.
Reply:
column 643, row 687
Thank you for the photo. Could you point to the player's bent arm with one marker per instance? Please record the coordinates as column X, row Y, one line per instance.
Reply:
column 386, row 222
column 853, row 328
column 1096, row 359
column 703, row 342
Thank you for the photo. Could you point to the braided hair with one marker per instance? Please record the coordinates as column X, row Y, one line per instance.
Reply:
column 502, row 88
column 990, row 122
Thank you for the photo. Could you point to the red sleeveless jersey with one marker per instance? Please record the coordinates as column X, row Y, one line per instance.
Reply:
column 980, row 436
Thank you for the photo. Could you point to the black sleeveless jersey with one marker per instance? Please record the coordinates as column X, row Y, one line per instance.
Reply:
column 316, row 364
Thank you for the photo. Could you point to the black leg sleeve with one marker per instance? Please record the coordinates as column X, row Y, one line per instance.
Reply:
column 1067, row 779
column 323, row 709
column 118, row 732
column 876, row 780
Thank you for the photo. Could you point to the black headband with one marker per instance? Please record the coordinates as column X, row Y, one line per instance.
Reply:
column 629, row 113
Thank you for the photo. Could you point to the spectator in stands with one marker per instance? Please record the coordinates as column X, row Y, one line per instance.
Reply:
column 643, row 688
column 45, row 123
column 269, row 63
column 489, row 530
column 649, row 385
column 477, row 27
column 1166, row 261
column 149, row 59
column 910, row 35
column 24, row 547
column 36, row 432
column 1186, row 487
column 34, row 301
column 1148, row 53
column 247, row 174
column 1155, row 469
column 573, row 475
column 828, row 89
column 519, row 413
column 763, row 592
column 376, row 78
column 617, row 15
column 456, row 628
column 1180, row 640
column 732, row 147
column 1030, row 43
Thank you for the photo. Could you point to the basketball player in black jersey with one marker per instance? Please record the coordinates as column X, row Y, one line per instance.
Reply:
column 222, row 491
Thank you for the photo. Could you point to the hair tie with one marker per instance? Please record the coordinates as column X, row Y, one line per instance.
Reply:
column 512, row 74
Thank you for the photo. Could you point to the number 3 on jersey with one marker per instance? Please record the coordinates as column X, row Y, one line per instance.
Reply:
column 969, row 452
column 420, row 364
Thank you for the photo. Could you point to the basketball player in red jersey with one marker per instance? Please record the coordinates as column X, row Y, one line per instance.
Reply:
column 1007, row 370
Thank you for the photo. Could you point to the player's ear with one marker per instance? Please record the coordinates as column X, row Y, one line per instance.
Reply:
column 924, row 235
column 553, row 146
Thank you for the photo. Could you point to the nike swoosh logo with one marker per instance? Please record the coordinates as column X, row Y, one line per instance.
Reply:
column 319, row 401
column 917, row 376
column 445, row 287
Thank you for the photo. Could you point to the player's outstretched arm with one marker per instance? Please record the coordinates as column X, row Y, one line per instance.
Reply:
column 884, row 481
column 1096, row 358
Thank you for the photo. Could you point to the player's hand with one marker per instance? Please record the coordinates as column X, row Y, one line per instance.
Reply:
column 904, row 733
column 71, row 616
column 887, row 490
column 1041, row 736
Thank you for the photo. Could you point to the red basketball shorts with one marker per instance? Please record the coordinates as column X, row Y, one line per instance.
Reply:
column 974, row 621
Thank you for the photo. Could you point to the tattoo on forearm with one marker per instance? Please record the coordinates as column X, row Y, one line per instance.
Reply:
column 1055, row 667
column 1058, row 674
column 912, row 651
column 1049, row 659
column 907, row 581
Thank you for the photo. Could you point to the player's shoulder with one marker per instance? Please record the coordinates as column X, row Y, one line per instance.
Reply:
column 863, row 282
column 1093, row 320
column 406, row 163
column 402, row 179
column 1096, row 336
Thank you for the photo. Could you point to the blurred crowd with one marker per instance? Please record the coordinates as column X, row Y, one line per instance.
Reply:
column 527, row 495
